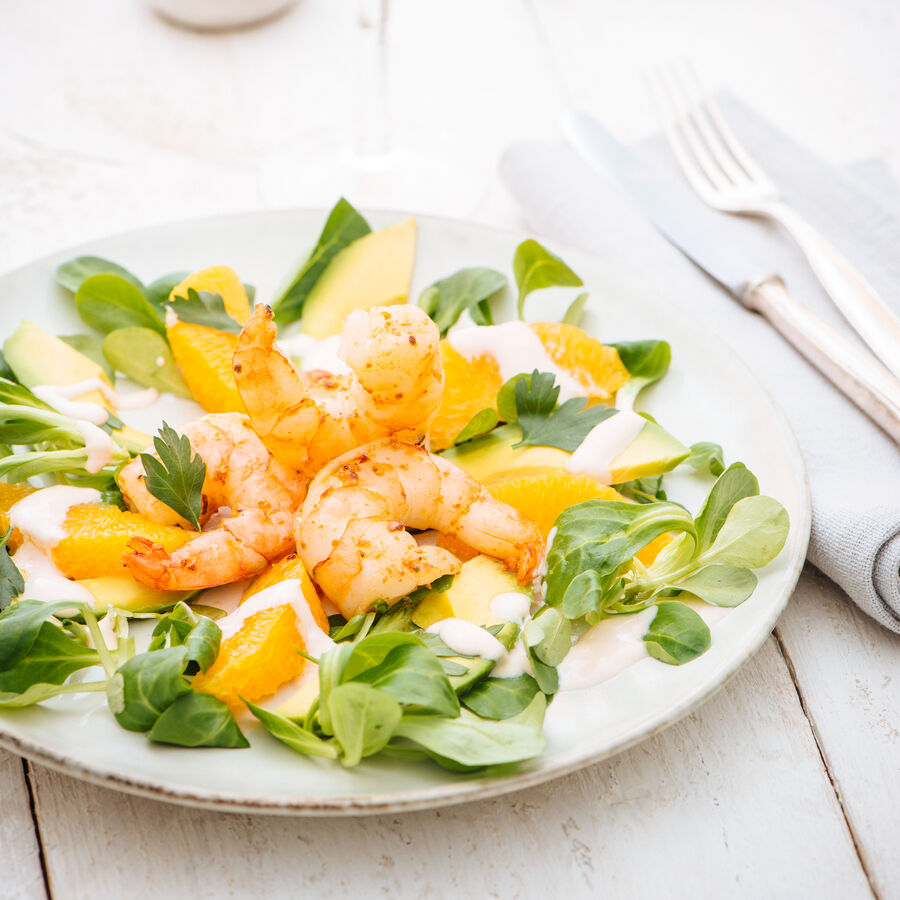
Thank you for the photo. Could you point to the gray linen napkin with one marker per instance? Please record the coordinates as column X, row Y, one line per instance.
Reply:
column 854, row 468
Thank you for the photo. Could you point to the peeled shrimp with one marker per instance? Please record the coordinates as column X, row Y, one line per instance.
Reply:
column 261, row 496
column 307, row 419
column 351, row 533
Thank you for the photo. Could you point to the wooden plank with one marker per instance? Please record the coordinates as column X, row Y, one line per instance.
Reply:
column 21, row 877
column 734, row 799
column 847, row 668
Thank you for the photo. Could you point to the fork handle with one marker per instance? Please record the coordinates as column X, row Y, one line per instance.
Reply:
column 869, row 315
column 851, row 369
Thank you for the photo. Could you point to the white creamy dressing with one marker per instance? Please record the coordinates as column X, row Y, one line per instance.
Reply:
column 465, row 320
column 60, row 399
column 517, row 350
column 604, row 442
column 512, row 665
column 39, row 518
column 285, row 593
column 315, row 354
column 467, row 638
column 605, row 650
column 511, row 606
column 131, row 400
column 99, row 445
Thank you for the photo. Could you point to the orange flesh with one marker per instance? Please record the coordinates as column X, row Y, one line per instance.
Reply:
column 204, row 357
column 262, row 656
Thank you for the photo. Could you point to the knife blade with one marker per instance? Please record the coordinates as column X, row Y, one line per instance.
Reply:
column 673, row 208
column 668, row 203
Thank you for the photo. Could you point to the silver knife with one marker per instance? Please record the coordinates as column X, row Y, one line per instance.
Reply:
column 671, row 207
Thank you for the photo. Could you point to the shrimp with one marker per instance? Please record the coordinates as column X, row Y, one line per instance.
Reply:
column 262, row 497
column 351, row 534
column 307, row 419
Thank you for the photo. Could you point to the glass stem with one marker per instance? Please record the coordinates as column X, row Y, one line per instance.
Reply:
column 372, row 138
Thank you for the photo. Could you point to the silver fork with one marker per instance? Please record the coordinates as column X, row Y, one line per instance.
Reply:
column 727, row 179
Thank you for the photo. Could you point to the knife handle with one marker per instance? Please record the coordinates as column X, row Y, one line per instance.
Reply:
column 852, row 370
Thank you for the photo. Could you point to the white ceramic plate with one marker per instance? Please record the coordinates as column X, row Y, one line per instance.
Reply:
column 707, row 395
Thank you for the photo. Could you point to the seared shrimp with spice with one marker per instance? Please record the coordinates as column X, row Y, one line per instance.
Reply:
column 352, row 537
column 261, row 496
column 307, row 419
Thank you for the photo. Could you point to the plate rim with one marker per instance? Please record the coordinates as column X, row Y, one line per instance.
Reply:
column 456, row 792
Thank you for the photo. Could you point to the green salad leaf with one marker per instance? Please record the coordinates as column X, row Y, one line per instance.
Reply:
column 363, row 720
column 198, row 720
column 501, row 698
column 159, row 290
column 145, row 357
column 592, row 573
column 646, row 362
column 108, row 302
column 204, row 308
column 343, row 226
column 468, row 289
column 11, row 581
column 677, row 633
column 177, row 477
column 481, row 423
column 575, row 312
column 535, row 268
column 706, row 458
column 52, row 657
column 473, row 741
column 72, row 274
column 292, row 734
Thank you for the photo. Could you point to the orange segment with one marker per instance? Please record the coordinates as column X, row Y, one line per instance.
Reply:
column 97, row 537
column 541, row 493
column 290, row 567
column 220, row 280
column 463, row 552
column 591, row 362
column 469, row 387
column 262, row 656
column 204, row 356
column 651, row 551
column 10, row 495
column 472, row 385
column 257, row 660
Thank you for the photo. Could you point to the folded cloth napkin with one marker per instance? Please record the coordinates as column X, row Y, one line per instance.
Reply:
column 854, row 468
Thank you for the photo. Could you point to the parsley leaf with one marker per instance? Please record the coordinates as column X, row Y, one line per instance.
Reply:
column 11, row 581
column 543, row 423
column 204, row 308
column 176, row 478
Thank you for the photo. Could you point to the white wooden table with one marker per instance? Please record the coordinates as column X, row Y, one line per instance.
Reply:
column 787, row 783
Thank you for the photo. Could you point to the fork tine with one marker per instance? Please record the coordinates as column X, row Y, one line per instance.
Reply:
column 714, row 144
column 680, row 103
column 725, row 134
column 665, row 114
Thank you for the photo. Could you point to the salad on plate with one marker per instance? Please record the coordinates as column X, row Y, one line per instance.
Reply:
column 351, row 521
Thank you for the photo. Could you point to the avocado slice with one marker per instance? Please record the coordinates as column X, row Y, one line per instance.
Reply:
column 652, row 452
column 38, row 357
column 469, row 597
column 375, row 270
column 130, row 596
column 298, row 705
column 479, row 667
